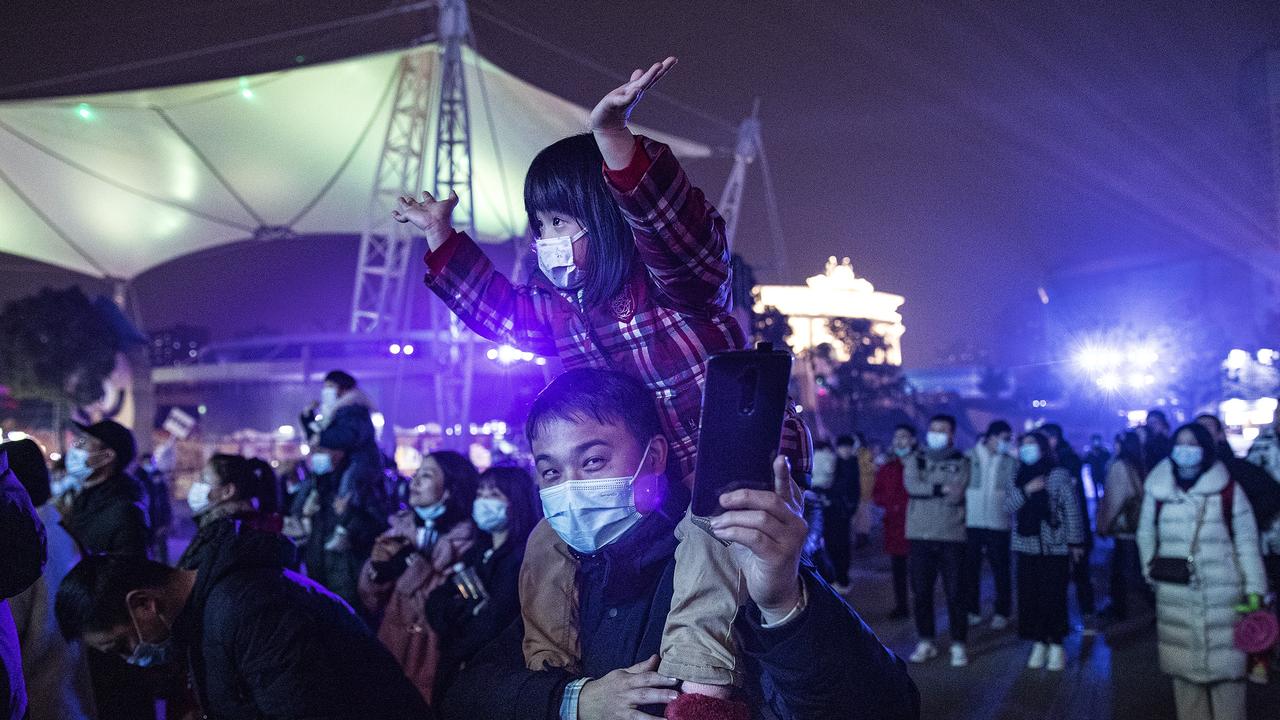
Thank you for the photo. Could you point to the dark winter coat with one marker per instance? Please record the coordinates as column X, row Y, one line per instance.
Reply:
column 263, row 641
column 111, row 517
column 208, row 532
column 464, row 626
column 824, row 664
column 22, row 539
column 351, row 431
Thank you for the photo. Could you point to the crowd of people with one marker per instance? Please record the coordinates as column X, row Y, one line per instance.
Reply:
column 1193, row 531
column 578, row 585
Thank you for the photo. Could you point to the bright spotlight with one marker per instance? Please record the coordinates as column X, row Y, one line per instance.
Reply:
column 492, row 354
column 1237, row 360
column 1143, row 357
column 408, row 349
column 395, row 348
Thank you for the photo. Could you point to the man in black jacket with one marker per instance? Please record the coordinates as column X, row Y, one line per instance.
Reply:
column 804, row 652
column 258, row 640
column 108, row 514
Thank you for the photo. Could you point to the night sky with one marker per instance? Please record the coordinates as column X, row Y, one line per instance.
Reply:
column 961, row 153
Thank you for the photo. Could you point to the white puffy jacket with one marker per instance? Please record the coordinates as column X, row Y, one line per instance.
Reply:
column 1195, row 622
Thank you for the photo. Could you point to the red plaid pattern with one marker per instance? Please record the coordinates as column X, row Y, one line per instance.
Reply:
column 671, row 314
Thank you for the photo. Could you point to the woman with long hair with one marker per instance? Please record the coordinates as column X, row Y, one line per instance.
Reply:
column 414, row 556
column 1199, row 546
column 1048, row 528
column 483, row 596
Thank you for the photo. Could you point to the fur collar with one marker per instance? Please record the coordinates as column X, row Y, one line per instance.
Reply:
column 1161, row 484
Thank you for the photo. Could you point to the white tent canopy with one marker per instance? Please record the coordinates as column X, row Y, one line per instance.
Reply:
column 113, row 184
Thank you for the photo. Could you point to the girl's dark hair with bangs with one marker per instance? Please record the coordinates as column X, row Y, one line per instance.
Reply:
column 568, row 177
column 524, row 507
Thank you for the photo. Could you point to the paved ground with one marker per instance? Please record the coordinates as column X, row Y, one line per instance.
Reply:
column 1106, row 678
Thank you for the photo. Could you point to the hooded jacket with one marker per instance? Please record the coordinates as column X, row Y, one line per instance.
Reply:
column 1195, row 622
column 263, row 641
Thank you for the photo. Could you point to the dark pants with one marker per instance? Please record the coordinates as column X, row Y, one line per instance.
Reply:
column 1084, row 583
column 1042, row 597
column 899, row 563
column 995, row 545
column 1126, row 577
column 1272, row 565
column 815, row 546
column 835, row 533
column 929, row 560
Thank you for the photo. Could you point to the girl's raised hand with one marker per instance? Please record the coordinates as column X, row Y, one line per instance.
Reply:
column 613, row 110
column 432, row 216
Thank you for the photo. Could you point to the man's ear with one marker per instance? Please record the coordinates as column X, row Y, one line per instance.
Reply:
column 142, row 603
column 658, row 449
column 110, row 455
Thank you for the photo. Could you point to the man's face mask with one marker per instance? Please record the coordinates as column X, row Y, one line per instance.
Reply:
column 150, row 654
column 590, row 514
column 555, row 259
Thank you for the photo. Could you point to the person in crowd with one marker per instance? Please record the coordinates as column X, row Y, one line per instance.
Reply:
column 159, row 504
column 482, row 597
column 623, row 241
column 891, row 495
column 1098, row 459
column 1265, row 453
column 596, row 437
column 108, row 512
column 56, row 671
column 992, row 468
column 1199, row 546
column 1157, row 445
column 22, row 535
column 235, row 489
column 414, row 557
column 935, row 480
column 1048, row 528
column 256, row 639
column 815, row 543
column 839, row 503
column 343, row 421
column 1118, row 515
column 1065, row 456
column 863, row 517
column 1263, row 491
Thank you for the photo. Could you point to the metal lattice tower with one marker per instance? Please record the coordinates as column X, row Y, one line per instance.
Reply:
column 385, row 245
column 749, row 148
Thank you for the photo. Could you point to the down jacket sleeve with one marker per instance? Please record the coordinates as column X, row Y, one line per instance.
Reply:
column 22, row 539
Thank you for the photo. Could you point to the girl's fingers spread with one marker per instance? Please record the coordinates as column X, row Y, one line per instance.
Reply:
column 636, row 74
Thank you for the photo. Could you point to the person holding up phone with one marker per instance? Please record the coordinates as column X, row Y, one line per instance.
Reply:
column 634, row 276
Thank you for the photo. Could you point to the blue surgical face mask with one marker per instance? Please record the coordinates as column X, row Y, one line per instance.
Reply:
column 901, row 451
column 1003, row 446
column 590, row 514
column 937, row 440
column 150, row 654
column 1029, row 454
column 321, row 463
column 1187, row 456
column 430, row 512
column 78, row 469
column 490, row 514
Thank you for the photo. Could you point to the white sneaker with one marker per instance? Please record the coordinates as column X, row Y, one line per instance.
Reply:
column 1057, row 658
column 925, row 651
column 959, row 657
column 999, row 622
column 974, row 620
column 1038, row 651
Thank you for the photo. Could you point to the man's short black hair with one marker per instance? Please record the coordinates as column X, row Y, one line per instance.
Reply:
column 1158, row 415
column 342, row 379
column 950, row 420
column 998, row 427
column 1053, row 430
column 92, row 596
column 601, row 395
column 908, row 428
column 844, row 441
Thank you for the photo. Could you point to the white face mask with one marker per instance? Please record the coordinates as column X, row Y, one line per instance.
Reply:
column 198, row 496
column 328, row 396
column 78, row 469
column 937, row 440
column 1187, row 456
column 555, row 259
column 590, row 514
column 320, row 463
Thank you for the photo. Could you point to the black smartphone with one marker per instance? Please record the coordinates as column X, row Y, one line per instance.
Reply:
column 743, row 402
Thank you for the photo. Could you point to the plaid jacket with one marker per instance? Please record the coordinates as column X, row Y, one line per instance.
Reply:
column 672, row 313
